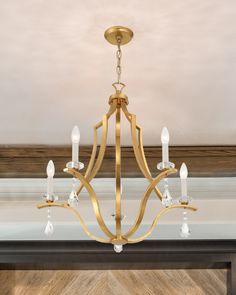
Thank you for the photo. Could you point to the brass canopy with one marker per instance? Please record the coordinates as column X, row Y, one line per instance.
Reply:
column 118, row 35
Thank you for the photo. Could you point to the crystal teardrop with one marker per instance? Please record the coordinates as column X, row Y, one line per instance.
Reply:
column 185, row 232
column 73, row 199
column 167, row 200
column 49, row 229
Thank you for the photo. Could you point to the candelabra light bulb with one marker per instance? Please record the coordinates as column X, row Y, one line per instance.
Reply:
column 75, row 134
column 50, row 169
column 183, row 171
column 165, row 137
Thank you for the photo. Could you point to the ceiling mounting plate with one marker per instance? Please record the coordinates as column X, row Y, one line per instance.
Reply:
column 118, row 35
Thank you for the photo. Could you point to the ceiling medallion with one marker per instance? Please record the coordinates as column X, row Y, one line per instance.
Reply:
column 118, row 103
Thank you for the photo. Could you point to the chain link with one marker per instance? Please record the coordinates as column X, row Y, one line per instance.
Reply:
column 118, row 67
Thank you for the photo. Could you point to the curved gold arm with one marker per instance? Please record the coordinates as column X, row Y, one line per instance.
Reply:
column 77, row 214
column 138, row 147
column 144, row 200
column 101, row 150
column 112, row 109
column 93, row 155
column 104, row 123
column 140, row 140
column 162, row 212
column 93, row 197
column 93, row 169
column 125, row 111
column 92, row 158
column 138, row 156
column 140, row 137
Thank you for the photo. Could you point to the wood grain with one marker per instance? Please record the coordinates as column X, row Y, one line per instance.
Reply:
column 113, row 282
column 31, row 161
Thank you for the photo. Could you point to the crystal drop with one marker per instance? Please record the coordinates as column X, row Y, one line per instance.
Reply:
column 72, row 195
column 167, row 199
column 73, row 199
column 118, row 248
column 49, row 229
column 73, row 202
column 185, row 232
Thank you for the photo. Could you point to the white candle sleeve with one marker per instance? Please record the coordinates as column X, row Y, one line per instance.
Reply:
column 165, row 144
column 50, row 186
column 165, row 153
column 50, row 173
column 75, row 137
column 184, row 187
column 75, row 152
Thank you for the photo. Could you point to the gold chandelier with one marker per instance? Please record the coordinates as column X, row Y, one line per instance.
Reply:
column 118, row 103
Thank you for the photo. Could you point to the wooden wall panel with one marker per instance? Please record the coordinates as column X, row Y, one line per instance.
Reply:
column 31, row 161
column 113, row 282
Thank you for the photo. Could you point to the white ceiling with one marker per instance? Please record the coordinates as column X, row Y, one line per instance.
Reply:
column 56, row 69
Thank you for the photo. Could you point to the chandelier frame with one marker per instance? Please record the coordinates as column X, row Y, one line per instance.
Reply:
column 118, row 103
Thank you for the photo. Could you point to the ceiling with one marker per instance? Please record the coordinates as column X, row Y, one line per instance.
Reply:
column 56, row 69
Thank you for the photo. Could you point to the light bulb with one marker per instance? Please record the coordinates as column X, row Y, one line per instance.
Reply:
column 75, row 134
column 165, row 135
column 183, row 171
column 50, row 169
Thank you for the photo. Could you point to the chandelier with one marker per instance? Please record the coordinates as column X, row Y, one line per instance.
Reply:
column 118, row 103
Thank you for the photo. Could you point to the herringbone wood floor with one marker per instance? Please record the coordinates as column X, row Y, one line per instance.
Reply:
column 113, row 282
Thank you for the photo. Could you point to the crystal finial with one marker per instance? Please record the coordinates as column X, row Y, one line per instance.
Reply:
column 118, row 248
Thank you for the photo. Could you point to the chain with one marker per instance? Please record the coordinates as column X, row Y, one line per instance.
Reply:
column 118, row 67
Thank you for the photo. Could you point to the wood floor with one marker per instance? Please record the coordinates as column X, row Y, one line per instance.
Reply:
column 113, row 282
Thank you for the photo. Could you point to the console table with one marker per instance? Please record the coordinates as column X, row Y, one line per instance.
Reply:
column 150, row 254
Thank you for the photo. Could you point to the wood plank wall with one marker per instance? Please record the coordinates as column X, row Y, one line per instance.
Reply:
column 202, row 161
